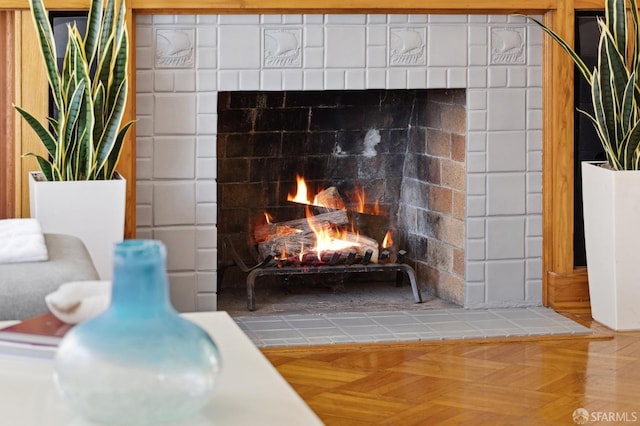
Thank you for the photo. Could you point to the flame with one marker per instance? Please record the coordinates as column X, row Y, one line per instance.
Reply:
column 327, row 238
column 268, row 217
column 388, row 239
column 357, row 198
column 360, row 197
column 301, row 194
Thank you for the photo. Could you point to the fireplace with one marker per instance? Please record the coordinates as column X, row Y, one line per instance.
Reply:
column 393, row 158
column 493, row 196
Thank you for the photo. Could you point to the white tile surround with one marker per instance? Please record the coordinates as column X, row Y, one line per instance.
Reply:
column 184, row 60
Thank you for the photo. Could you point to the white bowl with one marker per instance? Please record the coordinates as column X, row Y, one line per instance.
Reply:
column 77, row 301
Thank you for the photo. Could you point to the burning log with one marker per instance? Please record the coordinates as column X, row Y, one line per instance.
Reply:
column 329, row 198
column 296, row 238
column 320, row 239
column 302, row 246
column 264, row 231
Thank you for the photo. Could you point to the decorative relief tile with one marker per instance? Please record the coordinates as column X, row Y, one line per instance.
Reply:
column 175, row 48
column 282, row 48
column 407, row 46
column 508, row 45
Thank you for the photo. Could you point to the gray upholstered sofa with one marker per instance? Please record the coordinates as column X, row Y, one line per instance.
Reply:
column 23, row 286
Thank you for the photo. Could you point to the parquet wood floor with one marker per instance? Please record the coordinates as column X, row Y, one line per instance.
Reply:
column 538, row 381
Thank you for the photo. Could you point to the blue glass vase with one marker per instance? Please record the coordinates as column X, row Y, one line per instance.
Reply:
column 139, row 362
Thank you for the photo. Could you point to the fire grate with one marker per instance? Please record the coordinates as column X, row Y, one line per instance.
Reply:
column 270, row 267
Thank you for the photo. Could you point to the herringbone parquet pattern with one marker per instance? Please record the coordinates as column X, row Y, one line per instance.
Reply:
column 535, row 382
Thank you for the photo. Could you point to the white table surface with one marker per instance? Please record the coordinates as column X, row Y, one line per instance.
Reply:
column 250, row 391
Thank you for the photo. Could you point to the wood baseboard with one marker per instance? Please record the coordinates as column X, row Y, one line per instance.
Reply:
column 569, row 292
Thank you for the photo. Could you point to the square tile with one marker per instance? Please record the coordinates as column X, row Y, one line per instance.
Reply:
column 175, row 114
column 505, row 237
column 241, row 47
column 174, row 158
column 451, row 53
column 345, row 46
column 174, row 203
column 505, row 281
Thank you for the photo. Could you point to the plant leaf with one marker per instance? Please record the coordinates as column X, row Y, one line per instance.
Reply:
column 615, row 64
column 577, row 60
column 45, row 166
column 114, row 154
column 600, row 121
column 47, row 47
column 99, row 112
column 616, row 22
column 81, row 143
column 92, row 34
column 606, row 102
column 47, row 139
column 630, row 148
column 106, row 28
column 108, row 137
column 628, row 106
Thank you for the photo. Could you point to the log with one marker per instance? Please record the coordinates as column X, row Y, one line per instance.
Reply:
column 265, row 231
column 337, row 218
column 329, row 198
column 282, row 242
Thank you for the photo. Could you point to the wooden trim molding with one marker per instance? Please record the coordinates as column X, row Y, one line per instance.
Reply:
column 306, row 6
column 569, row 292
column 559, row 276
column 557, row 151
column 35, row 99
column 7, row 137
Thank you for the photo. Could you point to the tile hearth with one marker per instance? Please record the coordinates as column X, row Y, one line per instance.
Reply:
column 405, row 326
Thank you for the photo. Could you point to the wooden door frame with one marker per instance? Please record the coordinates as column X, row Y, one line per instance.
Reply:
column 7, row 137
column 564, row 286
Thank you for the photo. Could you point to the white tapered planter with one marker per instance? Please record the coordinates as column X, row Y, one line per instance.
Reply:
column 611, row 202
column 91, row 210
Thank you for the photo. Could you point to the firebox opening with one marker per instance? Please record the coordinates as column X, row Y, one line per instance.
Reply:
column 400, row 150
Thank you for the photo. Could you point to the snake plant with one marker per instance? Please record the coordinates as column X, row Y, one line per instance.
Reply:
column 615, row 83
column 85, row 139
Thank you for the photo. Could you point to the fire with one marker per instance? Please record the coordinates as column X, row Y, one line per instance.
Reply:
column 376, row 208
column 322, row 237
column 361, row 197
column 360, row 200
column 327, row 238
column 330, row 198
column 388, row 240
column 301, row 194
column 268, row 217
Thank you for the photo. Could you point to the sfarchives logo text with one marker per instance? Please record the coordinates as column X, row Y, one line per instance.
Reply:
column 581, row 416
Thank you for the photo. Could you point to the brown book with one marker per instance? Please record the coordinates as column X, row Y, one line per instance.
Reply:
column 41, row 330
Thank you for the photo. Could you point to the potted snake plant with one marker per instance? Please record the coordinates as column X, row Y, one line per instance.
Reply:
column 78, row 190
column 611, row 189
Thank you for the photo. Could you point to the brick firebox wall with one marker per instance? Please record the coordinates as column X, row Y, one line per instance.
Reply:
column 432, row 207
